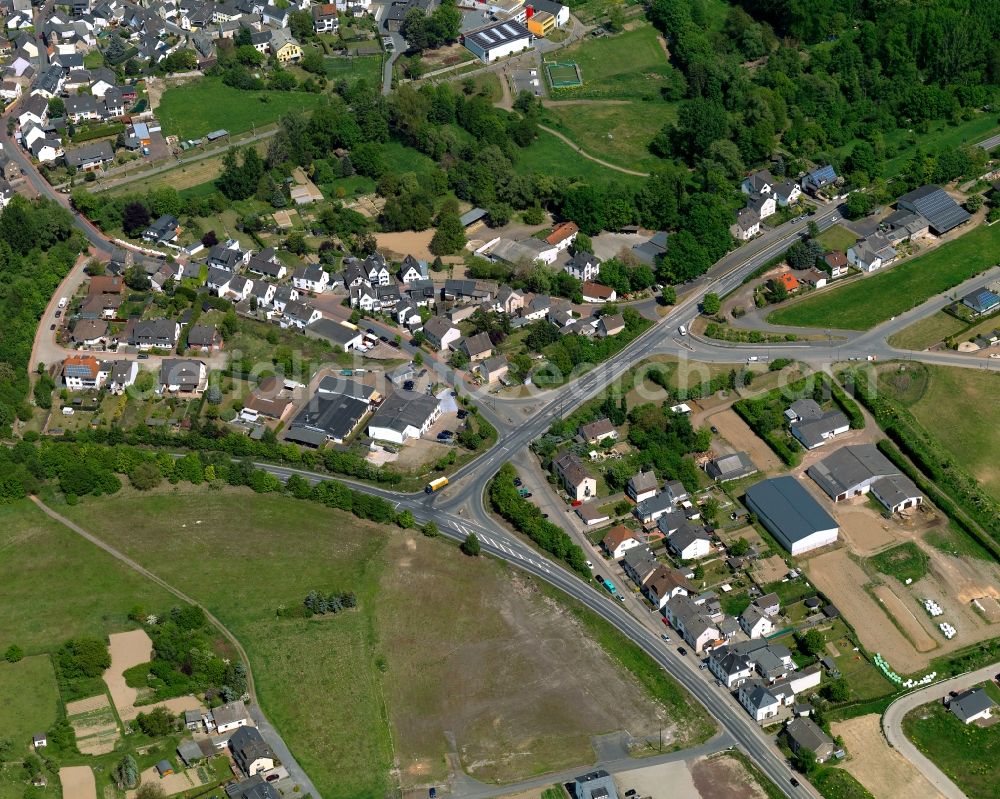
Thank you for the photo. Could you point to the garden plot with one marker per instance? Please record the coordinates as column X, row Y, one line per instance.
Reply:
column 94, row 723
column 77, row 782
column 128, row 650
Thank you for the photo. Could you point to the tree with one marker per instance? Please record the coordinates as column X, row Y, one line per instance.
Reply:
column 210, row 239
column 126, row 773
column 974, row 203
column 711, row 304
column 804, row 760
column 13, row 654
column 83, row 657
column 449, row 238
column 582, row 243
column 670, row 295
column 135, row 218
column 836, row 690
column 739, row 547
column 811, row 642
column 859, row 204
column 470, row 546
column 405, row 520
column 157, row 723
column 430, row 530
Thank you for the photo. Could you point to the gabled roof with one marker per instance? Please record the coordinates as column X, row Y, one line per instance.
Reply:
column 616, row 536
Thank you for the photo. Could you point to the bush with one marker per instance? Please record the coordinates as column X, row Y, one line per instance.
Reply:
column 83, row 657
column 13, row 654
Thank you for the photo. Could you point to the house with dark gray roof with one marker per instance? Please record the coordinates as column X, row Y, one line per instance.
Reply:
column 972, row 705
column 730, row 467
column 595, row 785
column 861, row 469
column 936, row 206
column 803, row 733
column 251, row 752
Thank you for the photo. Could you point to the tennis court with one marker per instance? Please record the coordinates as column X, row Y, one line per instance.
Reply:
column 564, row 75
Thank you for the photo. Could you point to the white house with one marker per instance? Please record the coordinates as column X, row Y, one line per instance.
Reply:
column 226, row 718
column 619, row 540
column 310, row 278
column 584, row 266
column 642, row 486
column 759, row 701
column 747, row 225
column 871, row 254
column 689, row 543
column 251, row 752
column 440, row 333
column 577, row 481
column 755, row 623
column 404, row 415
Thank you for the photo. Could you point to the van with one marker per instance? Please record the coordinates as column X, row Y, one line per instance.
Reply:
column 63, row 302
column 68, row 411
column 753, row 359
column 682, row 330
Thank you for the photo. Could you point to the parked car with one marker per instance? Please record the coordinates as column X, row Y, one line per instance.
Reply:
column 590, row 565
column 517, row 482
column 408, row 385
column 52, row 327
column 462, row 414
column 714, row 429
column 681, row 650
column 384, row 339
column 665, row 637
column 445, row 435
column 58, row 314
column 142, row 356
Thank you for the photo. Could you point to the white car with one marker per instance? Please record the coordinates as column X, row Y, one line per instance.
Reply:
column 63, row 302
column 590, row 565
column 995, row 354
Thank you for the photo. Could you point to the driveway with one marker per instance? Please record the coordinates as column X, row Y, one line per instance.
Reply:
column 892, row 724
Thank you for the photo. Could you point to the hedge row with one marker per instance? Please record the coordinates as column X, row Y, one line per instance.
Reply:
column 527, row 518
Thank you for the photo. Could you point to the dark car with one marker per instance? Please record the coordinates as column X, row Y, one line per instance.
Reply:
column 795, row 782
column 432, row 793
column 52, row 327
column 714, row 429
column 371, row 330
column 681, row 650
column 462, row 414
column 58, row 314
column 408, row 385
column 445, row 435
column 142, row 356
column 454, row 393
column 518, row 482
column 545, row 515
column 384, row 338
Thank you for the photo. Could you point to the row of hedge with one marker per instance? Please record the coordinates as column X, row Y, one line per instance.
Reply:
column 527, row 519
column 931, row 459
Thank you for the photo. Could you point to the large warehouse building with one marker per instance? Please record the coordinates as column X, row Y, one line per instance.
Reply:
column 497, row 40
column 791, row 514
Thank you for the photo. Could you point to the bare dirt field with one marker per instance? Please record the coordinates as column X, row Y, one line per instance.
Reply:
column 753, row 538
column 406, row 243
column 862, row 528
column 77, row 782
column 876, row 765
column 735, row 431
column 665, row 781
column 842, row 580
column 724, row 777
column 905, row 619
column 177, row 782
column 94, row 724
column 769, row 570
column 128, row 650
column 525, row 687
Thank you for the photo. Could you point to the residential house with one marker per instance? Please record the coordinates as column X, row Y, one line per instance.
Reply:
column 787, row 281
column 340, row 334
column 508, row 301
column 325, row 18
column 759, row 701
column 595, row 785
column 764, row 205
column 639, row 564
column 872, row 253
column 761, row 182
column 240, row 288
column 218, row 280
column 595, row 292
column 251, row 752
column 819, row 179
column 440, row 333
column 690, row 542
column 477, row 347
column 90, row 332
column 815, row 432
column 663, row 585
column 228, row 256
column 755, row 623
column 787, row 193
column 610, row 325
column 365, row 297
column 267, row 264
column 651, row 509
column 204, row 337
column 123, row 374
column 493, row 369
column 83, row 372
column 299, row 314
column 691, row 621
column 803, row 733
column 262, row 293
column 165, row 229
column 232, row 716
column 747, row 225
column 642, row 486
column 981, row 302
column 597, row 431
column 283, row 296
column 377, row 270
column 152, row 333
column 184, row 376
column 90, row 157
column 619, row 540
column 411, row 270
column 562, row 235
column 768, row 604
column 730, row 666
column 577, row 481
column 972, row 705
column 311, row 277
column 584, row 266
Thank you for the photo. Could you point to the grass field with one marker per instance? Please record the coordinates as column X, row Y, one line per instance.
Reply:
column 927, row 332
column 551, row 156
column 619, row 134
column 424, row 612
column 835, row 783
column 194, row 109
column 865, row 303
column 406, row 159
column 194, row 179
column 959, row 406
column 904, row 562
column 628, row 66
column 368, row 67
column 31, row 700
column 965, row 752
column 837, row 238
column 42, row 608
column 940, row 136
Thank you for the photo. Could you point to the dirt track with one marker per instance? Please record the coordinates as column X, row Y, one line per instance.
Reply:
column 841, row 579
column 77, row 782
column 905, row 618
column 876, row 765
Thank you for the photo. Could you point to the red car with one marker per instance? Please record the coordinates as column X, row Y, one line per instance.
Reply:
column 664, row 620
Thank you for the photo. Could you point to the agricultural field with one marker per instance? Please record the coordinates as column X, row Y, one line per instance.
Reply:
column 194, row 109
column 627, row 66
column 862, row 304
column 321, row 680
column 927, row 332
column 959, row 407
column 617, row 133
column 967, row 753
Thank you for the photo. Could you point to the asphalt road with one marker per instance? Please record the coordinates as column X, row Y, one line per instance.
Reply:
column 892, row 724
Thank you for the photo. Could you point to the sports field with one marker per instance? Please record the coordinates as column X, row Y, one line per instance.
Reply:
column 862, row 304
column 201, row 106
column 628, row 66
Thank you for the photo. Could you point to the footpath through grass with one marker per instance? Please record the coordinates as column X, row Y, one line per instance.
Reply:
column 967, row 753
column 904, row 562
column 864, row 303
column 193, row 109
